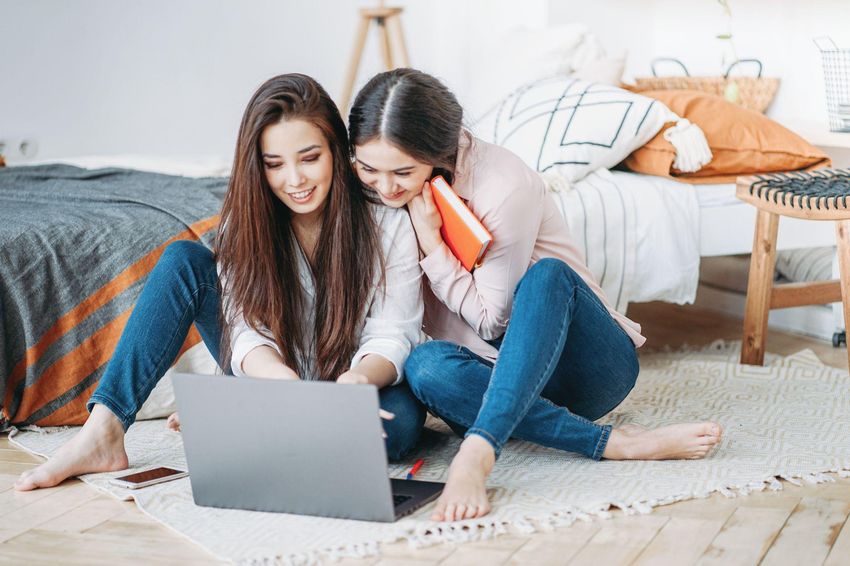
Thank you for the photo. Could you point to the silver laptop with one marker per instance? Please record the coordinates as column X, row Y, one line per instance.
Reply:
column 304, row 447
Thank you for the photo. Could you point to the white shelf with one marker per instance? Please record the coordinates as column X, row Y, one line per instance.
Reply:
column 817, row 133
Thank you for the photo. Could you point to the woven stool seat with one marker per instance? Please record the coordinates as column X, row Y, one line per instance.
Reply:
column 811, row 195
column 819, row 195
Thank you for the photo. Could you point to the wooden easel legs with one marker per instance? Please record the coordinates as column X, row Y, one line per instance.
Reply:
column 397, row 35
column 354, row 64
column 391, row 43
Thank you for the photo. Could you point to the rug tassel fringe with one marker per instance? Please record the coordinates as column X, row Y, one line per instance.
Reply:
column 425, row 536
column 485, row 530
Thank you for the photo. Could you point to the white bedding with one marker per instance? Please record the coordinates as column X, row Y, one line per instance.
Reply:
column 639, row 234
column 716, row 195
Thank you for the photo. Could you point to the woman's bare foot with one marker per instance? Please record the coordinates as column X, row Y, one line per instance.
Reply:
column 173, row 422
column 675, row 442
column 465, row 495
column 98, row 447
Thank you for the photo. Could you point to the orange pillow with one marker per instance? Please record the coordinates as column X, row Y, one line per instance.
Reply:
column 742, row 141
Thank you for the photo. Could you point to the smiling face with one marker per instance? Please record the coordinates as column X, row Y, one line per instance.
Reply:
column 396, row 176
column 298, row 165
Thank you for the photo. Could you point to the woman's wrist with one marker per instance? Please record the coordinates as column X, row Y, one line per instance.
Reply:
column 426, row 220
column 430, row 242
column 376, row 370
column 265, row 362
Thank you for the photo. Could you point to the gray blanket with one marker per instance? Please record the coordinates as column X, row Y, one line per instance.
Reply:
column 75, row 249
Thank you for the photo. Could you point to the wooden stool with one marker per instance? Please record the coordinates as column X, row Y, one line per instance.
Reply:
column 393, row 48
column 816, row 195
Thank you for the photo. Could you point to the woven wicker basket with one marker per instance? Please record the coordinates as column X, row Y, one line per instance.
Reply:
column 755, row 93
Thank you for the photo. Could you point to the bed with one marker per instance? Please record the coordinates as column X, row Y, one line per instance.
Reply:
column 76, row 246
column 642, row 236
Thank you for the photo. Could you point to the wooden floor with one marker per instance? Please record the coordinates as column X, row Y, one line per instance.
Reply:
column 73, row 524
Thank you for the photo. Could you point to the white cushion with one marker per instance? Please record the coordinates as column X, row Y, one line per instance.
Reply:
column 572, row 126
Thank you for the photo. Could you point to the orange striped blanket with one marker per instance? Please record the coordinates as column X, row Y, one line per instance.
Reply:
column 76, row 246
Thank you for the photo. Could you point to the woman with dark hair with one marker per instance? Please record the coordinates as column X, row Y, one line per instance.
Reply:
column 316, row 282
column 526, row 345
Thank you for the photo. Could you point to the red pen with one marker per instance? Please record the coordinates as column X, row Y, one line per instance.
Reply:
column 415, row 468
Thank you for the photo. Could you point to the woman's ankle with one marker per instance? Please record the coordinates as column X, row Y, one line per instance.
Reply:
column 618, row 445
column 475, row 448
column 105, row 421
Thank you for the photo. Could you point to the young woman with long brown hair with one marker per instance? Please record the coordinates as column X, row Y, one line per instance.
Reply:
column 316, row 282
column 526, row 346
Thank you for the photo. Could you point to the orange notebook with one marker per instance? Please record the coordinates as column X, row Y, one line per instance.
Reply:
column 466, row 237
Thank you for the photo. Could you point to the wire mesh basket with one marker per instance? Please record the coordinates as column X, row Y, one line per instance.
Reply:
column 836, row 77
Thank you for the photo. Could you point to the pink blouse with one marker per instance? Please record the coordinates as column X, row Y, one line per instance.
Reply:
column 511, row 200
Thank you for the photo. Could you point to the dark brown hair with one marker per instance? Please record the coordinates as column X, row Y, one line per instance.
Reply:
column 413, row 111
column 256, row 247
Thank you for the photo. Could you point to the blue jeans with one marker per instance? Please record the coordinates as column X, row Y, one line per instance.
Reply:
column 563, row 363
column 182, row 290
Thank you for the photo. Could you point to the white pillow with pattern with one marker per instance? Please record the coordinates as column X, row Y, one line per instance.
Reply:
column 574, row 127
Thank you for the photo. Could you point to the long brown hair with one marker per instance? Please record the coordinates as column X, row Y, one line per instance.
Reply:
column 256, row 247
column 413, row 111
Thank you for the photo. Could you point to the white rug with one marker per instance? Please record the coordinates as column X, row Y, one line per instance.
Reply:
column 789, row 420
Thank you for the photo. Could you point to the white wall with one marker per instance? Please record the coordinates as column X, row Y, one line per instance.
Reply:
column 778, row 32
column 159, row 76
column 171, row 77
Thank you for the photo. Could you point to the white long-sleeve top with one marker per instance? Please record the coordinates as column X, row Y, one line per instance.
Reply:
column 393, row 314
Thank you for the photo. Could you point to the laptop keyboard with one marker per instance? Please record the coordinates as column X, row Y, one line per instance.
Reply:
column 399, row 499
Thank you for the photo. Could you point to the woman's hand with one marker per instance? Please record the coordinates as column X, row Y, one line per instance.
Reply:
column 173, row 422
column 426, row 220
column 353, row 378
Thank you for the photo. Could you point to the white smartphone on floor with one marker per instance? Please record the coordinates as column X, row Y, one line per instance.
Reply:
column 148, row 477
